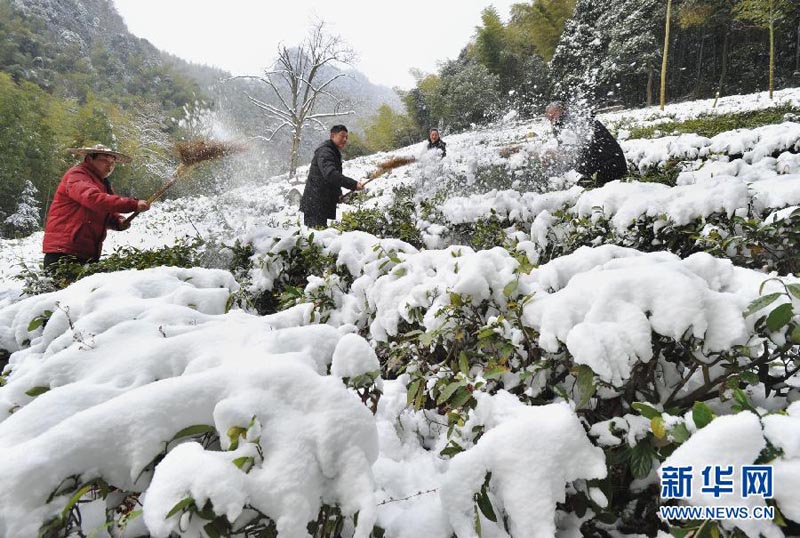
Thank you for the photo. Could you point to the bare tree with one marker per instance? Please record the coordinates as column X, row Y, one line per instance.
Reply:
column 301, row 84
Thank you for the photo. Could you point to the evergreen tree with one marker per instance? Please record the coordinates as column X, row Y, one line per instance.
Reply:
column 92, row 125
column 388, row 130
column 539, row 25
column 28, row 136
column 495, row 50
column 424, row 103
column 25, row 220
column 490, row 41
column 634, row 49
column 471, row 94
column 575, row 67
column 533, row 89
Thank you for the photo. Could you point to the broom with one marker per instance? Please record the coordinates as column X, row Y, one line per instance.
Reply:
column 189, row 154
column 383, row 167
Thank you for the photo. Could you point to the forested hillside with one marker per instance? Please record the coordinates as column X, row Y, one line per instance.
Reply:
column 71, row 75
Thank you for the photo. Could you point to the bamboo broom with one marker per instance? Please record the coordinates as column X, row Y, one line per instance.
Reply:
column 189, row 154
column 383, row 167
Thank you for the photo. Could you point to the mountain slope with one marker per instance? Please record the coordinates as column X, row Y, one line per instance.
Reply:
column 532, row 360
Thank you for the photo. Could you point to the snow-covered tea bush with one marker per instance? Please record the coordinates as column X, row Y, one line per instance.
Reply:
column 184, row 253
column 510, row 363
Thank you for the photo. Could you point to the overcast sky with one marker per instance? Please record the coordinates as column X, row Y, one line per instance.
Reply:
column 241, row 36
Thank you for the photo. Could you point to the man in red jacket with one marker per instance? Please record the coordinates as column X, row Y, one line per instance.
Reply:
column 85, row 206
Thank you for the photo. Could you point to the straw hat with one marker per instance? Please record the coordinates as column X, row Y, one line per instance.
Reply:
column 100, row 148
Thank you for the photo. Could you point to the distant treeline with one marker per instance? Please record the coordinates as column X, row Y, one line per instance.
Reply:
column 606, row 53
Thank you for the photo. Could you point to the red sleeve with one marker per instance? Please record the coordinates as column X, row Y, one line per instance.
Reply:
column 83, row 190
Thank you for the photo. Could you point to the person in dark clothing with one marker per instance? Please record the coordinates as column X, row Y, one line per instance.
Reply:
column 325, row 180
column 435, row 142
column 600, row 157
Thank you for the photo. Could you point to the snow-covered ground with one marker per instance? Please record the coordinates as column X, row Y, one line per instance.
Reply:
column 267, row 202
column 109, row 377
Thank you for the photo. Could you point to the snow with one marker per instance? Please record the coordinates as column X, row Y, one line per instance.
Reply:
column 127, row 360
column 783, row 431
column 547, row 448
column 353, row 356
column 606, row 315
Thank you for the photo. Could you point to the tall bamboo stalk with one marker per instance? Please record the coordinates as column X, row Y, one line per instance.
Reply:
column 771, row 47
column 663, row 97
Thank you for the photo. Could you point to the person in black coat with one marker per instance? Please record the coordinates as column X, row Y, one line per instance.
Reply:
column 325, row 180
column 600, row 158
column 435, row 142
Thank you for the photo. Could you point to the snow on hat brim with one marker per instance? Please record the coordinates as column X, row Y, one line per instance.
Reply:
column 100, row 148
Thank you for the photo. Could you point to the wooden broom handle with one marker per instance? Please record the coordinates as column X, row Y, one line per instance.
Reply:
column 158, row 194
column 343, row 198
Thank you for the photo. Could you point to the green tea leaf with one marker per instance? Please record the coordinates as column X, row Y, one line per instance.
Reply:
column 463, row 363
column 760, row 303
column 680, row 433
column 485, row 505
column 641, row 459
column 795, row 336
column 794, row 289
column 197, row 429
column 510, row 288
column 486, row 333
column 244, row 460
column 779, row 317
column 411, row 393
column 461, row 397
column 35, row 323
column 211, row 530
column 36, row 391
column 234, row 432
column 448, row 391
column 419, row 401
column 751, row 378
column 180, row 506
column 586, row 387
column 426, row 339
column 741, row 398
column 74, row 500
column 645, row 410
column 494, row 372
column 451, row 449
column 701, row 414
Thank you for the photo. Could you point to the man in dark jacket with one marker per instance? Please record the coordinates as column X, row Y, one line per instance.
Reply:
column 435, row 142
column 600, row 157
column 325, row 180
column 85, row 206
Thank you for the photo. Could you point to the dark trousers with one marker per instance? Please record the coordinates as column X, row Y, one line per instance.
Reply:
column 313, row 220
column 55, row 258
